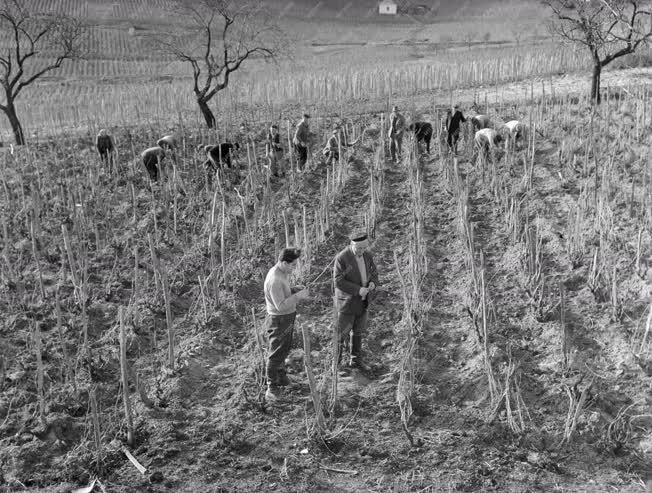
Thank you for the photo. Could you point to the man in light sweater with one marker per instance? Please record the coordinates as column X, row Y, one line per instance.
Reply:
column 281, row 303
column 355, row 278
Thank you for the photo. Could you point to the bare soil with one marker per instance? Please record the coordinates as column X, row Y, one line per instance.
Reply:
column 207, row 432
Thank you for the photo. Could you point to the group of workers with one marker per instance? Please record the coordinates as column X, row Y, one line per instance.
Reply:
column 485, row 138
column 220, row 156
column 355, row 277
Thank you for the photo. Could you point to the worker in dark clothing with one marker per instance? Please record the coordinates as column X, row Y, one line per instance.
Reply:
column 152, row 159
column 219, row 155
column 274, row 151
column 105, row 148
column 453, row 128
column 422, row 133
column 301, row 141
column 167, row 143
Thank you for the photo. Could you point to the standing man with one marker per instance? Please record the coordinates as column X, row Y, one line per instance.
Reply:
column 300, row 141
column 105, row 148
column 281, row 304
column 355, row 278
column 396, row 127
column 453, row 128
column 274, row 150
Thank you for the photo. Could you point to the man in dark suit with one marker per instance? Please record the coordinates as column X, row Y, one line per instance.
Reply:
column 355, row 278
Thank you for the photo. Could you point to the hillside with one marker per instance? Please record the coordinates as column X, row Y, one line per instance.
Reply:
column 564, row 231
column 122, row 79
column 508, row 345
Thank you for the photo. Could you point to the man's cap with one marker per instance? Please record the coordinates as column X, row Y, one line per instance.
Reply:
column 306, row 115
column 395, row 108
column 358, row 235
column 289, row 255
column 274, row 126
column 457, row 105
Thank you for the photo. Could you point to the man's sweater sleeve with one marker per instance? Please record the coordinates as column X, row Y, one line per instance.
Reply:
column 341, row 282
column 277, row 294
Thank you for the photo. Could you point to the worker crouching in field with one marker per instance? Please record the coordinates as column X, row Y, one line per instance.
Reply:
column 152, row 159
column 105, row 149
column 516, row 133
column 453, row 123
column 487, row 139
column 218, row 157
column 167, row 143
column 422, row 133
column 480, row 121
column 281, row 304
column 332, row 150
column 355, row 278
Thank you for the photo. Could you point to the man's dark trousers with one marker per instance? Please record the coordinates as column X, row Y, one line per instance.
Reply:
column 302, row 156
column 350, row 328
column 151, row 163
column 279, row 330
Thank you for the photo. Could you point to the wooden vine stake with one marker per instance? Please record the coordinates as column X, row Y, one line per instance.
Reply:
column 124, row 375
column 39, row 373
column 160, row 269
column 314, row 390
column 96, row 428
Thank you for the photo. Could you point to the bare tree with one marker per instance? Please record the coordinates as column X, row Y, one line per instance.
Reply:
column 38, row 44
column 609, row 29
column 222, row 36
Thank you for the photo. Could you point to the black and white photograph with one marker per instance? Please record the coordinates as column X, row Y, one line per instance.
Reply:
column 314, row 246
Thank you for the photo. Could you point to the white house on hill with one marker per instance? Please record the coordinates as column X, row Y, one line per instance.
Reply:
column 387, row 7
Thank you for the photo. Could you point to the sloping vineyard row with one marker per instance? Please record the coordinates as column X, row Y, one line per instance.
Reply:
column 76, row 8
column 141, row 102
column 142, row 9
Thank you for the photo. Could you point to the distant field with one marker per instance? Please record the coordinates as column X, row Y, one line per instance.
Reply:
column 336, row 57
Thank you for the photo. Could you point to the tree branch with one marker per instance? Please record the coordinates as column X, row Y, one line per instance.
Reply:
column 38, row 74
column 226, row 36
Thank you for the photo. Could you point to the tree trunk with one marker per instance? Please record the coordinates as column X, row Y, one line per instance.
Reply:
column 595, row 82
column 206, row 112
column 16, row 127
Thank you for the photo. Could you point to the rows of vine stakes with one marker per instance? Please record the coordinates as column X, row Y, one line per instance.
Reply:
column 136, row 102
column 59, row 231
